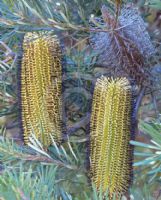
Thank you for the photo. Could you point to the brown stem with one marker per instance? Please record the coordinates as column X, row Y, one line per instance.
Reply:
column 138, row 101
column 84, row 121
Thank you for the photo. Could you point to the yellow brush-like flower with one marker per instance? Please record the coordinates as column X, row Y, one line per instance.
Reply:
column 41, row 88
column 110, row 151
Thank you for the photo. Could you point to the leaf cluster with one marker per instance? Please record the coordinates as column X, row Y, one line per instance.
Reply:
column 149, row 155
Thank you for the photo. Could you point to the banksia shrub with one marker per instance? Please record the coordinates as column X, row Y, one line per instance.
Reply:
column 40, row 87
column 110, row 151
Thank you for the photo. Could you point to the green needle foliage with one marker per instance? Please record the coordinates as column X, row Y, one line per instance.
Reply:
column 65, row 162
column 28, row 184
column 154, row 4
column 60, row 172
column 149, row 155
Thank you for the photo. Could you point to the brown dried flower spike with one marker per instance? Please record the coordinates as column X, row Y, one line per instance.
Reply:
column 124, row 46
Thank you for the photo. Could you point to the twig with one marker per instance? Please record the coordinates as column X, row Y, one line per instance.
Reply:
column 5, row 46
column 48, row 160
column 37, row 158
column 84, row 121
column 9, row 53
column 22, row 195
column 159, row 194
column 155, row 103
column 138, row 102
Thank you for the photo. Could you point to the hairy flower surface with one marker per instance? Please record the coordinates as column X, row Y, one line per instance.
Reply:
column 41, row 80
column 124, row 47
column 110, row 151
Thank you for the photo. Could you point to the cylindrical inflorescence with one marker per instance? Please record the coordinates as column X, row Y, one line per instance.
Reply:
column 110, row 134
column 41, row 88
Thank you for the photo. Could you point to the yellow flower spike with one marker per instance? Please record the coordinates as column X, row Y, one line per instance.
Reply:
column 41, row 88
column 110, row 151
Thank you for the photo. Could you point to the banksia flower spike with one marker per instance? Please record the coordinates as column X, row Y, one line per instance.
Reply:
column 127, row 48
column 40, row 87
column 110, row 151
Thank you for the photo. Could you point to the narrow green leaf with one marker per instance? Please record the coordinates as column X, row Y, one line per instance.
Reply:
column 142, row 154
column 140, row 144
